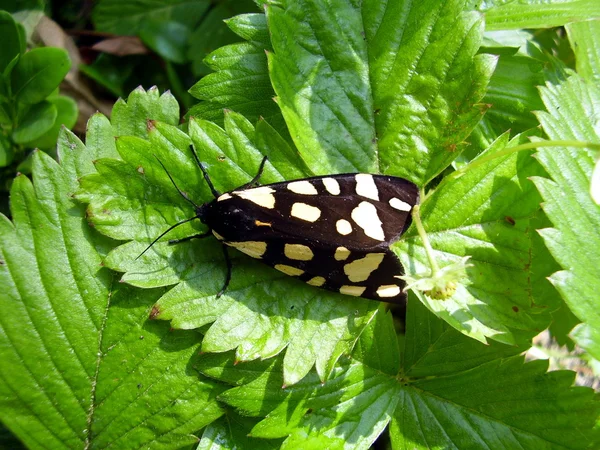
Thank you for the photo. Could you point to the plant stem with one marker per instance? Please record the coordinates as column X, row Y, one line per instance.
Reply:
column 519, row 148
column 428, row 249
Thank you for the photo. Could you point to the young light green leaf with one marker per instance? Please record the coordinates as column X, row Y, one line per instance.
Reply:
column 573, row 111
column 82, row 367
column 501, row 15
column 585, row 41
column 38, row 73
column 484, row 214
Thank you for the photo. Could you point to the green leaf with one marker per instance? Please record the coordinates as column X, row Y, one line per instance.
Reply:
column 7, row 152
column 214, row 33
column 588, row 338
column 429, row 63
column 574, row 240
column 257, row 303
column 82, row 366
column 585, row 40
column 342, row 93
column 167, row 38
column 513, row 94
column 109, row 71
column 241, row 79
column 485, row 214
column 66, row 116
column 503, row 15
column 11, row 40
column 38, row 73
column 131, row 118
column 486, row 399
column 37, row 120
column 231, row 432
column 127, row 18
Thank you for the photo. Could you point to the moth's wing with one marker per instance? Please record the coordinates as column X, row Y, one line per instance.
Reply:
column 356, row 211
column 331, row 232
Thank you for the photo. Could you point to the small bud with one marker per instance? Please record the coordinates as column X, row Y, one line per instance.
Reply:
column 442, row 284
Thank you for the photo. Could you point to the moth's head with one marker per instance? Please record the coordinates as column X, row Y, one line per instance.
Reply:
column 203, row 212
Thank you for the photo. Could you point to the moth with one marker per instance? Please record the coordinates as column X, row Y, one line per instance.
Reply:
column 333, row 232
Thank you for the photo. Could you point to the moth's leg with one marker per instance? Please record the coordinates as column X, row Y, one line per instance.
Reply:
column 196, row 236
column 228, row 275
column 254, row 181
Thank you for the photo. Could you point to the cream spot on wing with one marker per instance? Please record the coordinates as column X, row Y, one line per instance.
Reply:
column 256, row 249
column 302, row 187
column 361, row 269
column 388, row 290
column 343, row 227
column 365, row 186
column 365, row 216
column 356, row 291
column 316, row 281
column 298, row 252
column 398, row 204
column 262, row 196
column 217, row 235
column 225, row 196
column 289, row 270
column 305, row 212
column 341, row 253
column 332, row 186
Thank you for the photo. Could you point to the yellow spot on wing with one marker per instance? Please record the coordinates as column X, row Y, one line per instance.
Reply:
column 332, row 186
column 356, row 291
column 343, row 227
column 256, row 249
column 365, row 216
column 341, row 253
column 398, row 204
column 262, row 196
column 388, row 290
column 289, row 270
column 298, row 252
column 361, row 269
column 305, row 212
column 365, row 186
column 217, row 235
column 316, row 281
column 258, row 223
column 302, row 187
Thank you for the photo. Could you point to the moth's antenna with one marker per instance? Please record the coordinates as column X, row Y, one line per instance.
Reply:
column 183, row 194
column 165, row 232
column 215, row 193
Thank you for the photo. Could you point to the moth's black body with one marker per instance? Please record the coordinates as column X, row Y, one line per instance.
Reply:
column 333, row 232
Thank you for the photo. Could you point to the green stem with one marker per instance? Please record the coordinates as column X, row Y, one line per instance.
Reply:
column 428, row 249
column 519, row 148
